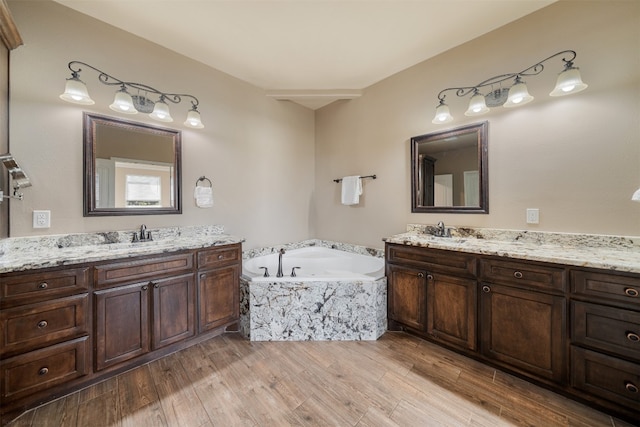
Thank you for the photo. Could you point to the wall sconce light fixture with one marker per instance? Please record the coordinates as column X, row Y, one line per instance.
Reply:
column 76, row 92
column 636, row 196
column 569, row 81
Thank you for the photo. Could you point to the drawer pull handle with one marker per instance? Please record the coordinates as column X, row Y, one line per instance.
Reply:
column 486, row 289
column 421, row 275
column 518, row 274
column 429, row 277
column 633, row 337
column 631, row 387
column 631, row 292
column 43, row 285
column 220, row 256
column 42, row 324
column 43, row 371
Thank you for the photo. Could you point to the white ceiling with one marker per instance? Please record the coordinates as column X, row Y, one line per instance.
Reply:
column 308, row 51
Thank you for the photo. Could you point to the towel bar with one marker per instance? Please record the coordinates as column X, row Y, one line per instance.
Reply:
column 368, row 176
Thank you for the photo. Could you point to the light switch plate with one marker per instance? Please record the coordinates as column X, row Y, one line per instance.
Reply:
column 41, row 219
column 533, row 216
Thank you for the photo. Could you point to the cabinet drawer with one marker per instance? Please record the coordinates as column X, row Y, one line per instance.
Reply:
column 35, row 325
column 603, row 285
column 515, row 273
column 140, row 269
column 610, row 329
column 433, row 259
column 41, row 369
column 607, row 377
column 19, row 287
column 224, row 255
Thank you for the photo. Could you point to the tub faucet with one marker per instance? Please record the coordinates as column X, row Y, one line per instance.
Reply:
column 280, row 253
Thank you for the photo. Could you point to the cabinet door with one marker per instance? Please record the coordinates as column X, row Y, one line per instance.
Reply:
column 121, row 323
column 525, row 330
column 219, row 297
column 173, row 310
column 451, row 310
column 407, row 296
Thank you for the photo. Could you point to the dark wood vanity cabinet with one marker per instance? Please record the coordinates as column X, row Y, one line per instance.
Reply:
column 44, row 330
column 574, row 330
column 407, row 296
column 64, row 328
column 219, row 294
column 132, row 319
column 523, row 318
column 433, row 293
column 605, row 336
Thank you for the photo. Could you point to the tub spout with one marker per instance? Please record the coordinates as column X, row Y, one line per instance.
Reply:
column 280, row 253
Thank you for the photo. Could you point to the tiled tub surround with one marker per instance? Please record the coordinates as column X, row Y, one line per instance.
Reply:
column 619, row 253
column 27, row 253
column 315, row 310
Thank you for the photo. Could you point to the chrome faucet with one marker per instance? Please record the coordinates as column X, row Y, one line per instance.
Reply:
column 280, row 253
column 442, row 231
column 145, row 236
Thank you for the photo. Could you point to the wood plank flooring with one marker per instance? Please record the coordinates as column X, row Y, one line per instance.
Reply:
column 398, row 380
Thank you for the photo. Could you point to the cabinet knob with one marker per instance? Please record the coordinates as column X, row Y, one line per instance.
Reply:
column 43, row 371
column 429, row 276
column 421, row 274
column 43, row 285
column 486, row 289
column 517, row 274
column 43, row 324
column 220, row 256
column 145, row 287
column 633, row 337
column 203, row 276
column 631, row 292
column 631, row 387
column 155, row 285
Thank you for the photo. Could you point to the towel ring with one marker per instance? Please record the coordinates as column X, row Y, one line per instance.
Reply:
column 204, row 178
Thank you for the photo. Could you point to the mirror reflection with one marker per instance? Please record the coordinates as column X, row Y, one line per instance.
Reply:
column 130, row 168
column 449, row 170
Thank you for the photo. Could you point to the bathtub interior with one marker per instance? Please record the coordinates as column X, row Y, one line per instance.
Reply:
column 316, row 263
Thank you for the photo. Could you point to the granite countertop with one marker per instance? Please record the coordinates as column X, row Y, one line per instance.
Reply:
column 617, row 253
column 28, row 253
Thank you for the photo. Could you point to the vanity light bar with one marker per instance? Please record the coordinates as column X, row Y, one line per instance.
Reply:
column 568, row 82
column 76, row 92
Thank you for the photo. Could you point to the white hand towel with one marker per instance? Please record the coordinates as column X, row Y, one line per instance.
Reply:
column 203, row 196
column 351, row 190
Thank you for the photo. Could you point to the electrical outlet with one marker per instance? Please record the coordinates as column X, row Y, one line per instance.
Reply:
column 41, row 219
column 533, row 216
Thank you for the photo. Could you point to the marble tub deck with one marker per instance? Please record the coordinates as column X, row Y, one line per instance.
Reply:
column 314, row 310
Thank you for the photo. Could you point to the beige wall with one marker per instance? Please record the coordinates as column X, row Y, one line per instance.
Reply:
column 272, row 163
column 257, row 151
column 576, row 158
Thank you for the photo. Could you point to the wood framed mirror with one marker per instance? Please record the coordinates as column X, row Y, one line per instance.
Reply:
column 449, row 171
column 130, row 168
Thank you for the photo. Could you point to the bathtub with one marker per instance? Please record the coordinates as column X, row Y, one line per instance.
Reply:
column 335, row 295
column 316, row 264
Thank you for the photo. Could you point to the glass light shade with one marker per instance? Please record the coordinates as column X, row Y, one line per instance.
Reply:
column 161, row 112
column 75, row 91
column 518, row 95
column 636, row 196
column 123, row 103
column 193, row 120
column 569, row 81
column 442, row 114
column 477, row 106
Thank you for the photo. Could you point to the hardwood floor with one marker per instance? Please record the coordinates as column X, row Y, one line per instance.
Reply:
column 398, row 380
